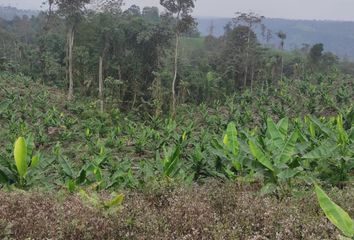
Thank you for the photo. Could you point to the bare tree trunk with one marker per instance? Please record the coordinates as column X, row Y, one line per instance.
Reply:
column 4, row 48
column 119, row 73
column 175, row 78
column 282, row 69
column 70, row 42
column 20, row 53
column 15, row 51
column 246, row 72
column 157, row 89
column 247, row 56
column 173, row 112
column 282, row 60
column 100, row 82
column 274, row 74
column 252, row 76
column 135, row 95
column 121, row 92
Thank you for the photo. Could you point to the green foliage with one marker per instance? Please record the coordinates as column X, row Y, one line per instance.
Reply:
column 335, row 214
column 20, row 154
column 171, row 162
column 329, row 149
column 260, row 156
column 230, row 138
column 82, row 147
column 236, row 121
column 278, row 154
column 22, row 170
column 112, row 205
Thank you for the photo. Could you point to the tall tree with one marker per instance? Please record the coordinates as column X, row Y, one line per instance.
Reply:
column 109, row 6
column 251, row 20
column 72, row 10
column 282, row 36
column 111, row 9
column 133, row 10
column 315, row 55
column 234, row 51
column 181, row 10
column 316, row 52
column 151, row 14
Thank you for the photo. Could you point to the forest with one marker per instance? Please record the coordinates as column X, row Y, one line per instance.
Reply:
column 121, row 122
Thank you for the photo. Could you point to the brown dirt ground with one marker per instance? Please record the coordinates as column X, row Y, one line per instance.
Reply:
column 213, row 211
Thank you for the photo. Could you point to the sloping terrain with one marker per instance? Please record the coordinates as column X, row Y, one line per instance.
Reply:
column 119, row 153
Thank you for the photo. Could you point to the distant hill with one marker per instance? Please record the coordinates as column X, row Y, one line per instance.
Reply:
column 337, row 37
column 8, row 13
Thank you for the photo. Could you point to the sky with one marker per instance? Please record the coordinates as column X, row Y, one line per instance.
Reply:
column 290, row 9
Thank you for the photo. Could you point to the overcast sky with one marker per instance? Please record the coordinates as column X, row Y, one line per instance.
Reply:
column 293, row 9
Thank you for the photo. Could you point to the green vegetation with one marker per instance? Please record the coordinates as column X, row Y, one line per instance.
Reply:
column 335, row 214
column 81, row 146
column 158, row 133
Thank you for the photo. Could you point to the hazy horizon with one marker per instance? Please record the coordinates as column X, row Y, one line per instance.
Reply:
column 339, row 10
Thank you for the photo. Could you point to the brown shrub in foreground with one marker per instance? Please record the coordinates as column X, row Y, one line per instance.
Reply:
column 209, row 212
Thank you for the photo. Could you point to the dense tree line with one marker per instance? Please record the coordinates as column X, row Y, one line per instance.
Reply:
column 141, row 58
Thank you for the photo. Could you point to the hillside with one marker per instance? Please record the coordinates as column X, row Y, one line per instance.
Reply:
column 115, row 152
column 128, row 124
column 337, row 37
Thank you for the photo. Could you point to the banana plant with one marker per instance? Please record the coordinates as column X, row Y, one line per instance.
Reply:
column 72, row 177
column 110, row 206
column 24, row 163
column 331, row 154
column 20, row 155
column 276, row 154
column 231, row 153
column 121, row 176
column 232, row 145
column 200, row 166
column 335, row 214
column 171, row 162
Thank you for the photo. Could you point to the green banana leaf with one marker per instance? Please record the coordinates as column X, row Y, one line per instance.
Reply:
column 322, row 127
column 230, row 139
column 343, row 137
column 20, row 154
column 273, row 133
column 260, row 156
column 283, row 126
column 334, row 213
column 288, row 149
column 171, row 162
column 325, row 150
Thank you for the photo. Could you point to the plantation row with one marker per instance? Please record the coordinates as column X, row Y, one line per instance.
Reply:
column 280, row 155
column 77, row 145
column 286, row 155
